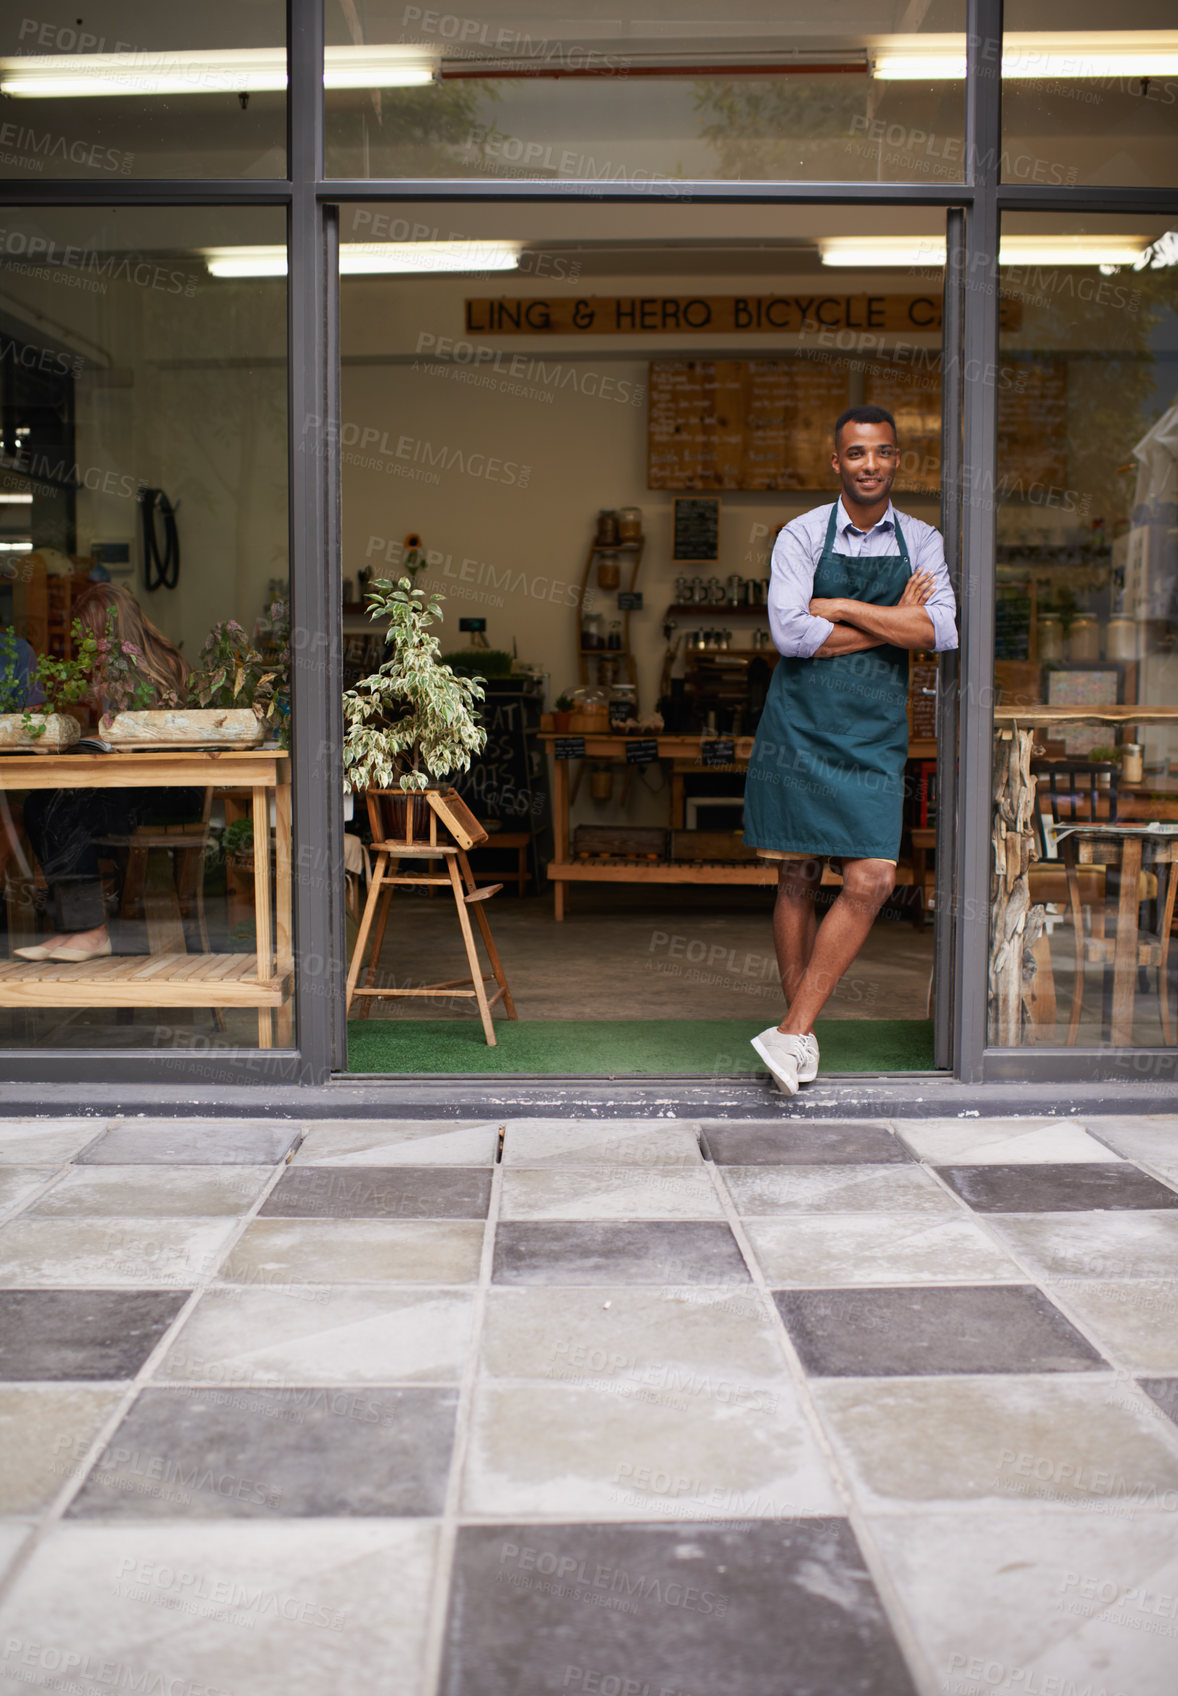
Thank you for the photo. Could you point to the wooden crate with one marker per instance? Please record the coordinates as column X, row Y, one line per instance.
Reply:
column 710, row 845
column 631, row 842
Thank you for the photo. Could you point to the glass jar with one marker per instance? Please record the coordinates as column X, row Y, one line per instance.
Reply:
column 1050, row 638
column 682, row 592
column 623, row 705
column 592, row 632
column 609, row 571
column 607, row 528
column 630, row 524
column 1085, row 645
column 614, row 639
column 1121, row 639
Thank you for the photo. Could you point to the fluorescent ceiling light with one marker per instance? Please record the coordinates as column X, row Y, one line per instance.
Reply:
column 865, row 252
column 246, row 70
column 1060, row 53
column 358, row 259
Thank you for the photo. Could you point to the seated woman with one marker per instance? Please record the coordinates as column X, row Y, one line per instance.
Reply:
column 62, row 824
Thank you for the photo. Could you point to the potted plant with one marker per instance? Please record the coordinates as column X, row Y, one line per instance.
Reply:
column 36, row 690
column 562, row 713
column 236, row 693
column 412, row 723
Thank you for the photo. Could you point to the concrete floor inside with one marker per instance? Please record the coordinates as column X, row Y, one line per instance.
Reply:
column 646, row 1408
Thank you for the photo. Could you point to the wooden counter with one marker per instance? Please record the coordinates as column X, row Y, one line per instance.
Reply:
column 685, row 753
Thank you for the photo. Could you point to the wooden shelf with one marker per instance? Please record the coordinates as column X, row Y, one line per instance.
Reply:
column 713, row 609
column 142, row 980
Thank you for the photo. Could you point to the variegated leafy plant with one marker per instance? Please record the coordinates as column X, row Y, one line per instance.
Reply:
column 412, row 722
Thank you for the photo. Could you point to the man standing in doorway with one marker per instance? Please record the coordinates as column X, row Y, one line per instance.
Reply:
column 855, row 588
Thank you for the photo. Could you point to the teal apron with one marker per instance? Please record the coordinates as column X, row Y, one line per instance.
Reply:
column 826, row 775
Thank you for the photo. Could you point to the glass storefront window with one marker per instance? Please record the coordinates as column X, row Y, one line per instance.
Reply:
column 143, row 90
column 1086, row 103
column 768, row 92
column 1086, row 660
column 143, row 591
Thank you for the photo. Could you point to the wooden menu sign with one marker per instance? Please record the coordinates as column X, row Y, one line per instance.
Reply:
column 766, row 423
column 672, row 314
column 742, row 423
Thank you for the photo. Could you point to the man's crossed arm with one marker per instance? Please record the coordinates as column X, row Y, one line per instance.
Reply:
column 860, row 624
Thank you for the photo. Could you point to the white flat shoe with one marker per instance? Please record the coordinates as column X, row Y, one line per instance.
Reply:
column 35, row 951
column 75, row 956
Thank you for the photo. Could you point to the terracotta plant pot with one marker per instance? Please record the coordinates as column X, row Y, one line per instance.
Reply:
column 561, row 722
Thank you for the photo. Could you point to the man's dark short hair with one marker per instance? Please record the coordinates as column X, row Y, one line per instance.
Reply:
column 864, row 415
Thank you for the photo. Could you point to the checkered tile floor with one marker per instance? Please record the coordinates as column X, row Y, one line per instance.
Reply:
column 646, row 1408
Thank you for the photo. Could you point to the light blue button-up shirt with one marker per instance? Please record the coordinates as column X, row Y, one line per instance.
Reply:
column 796, row 632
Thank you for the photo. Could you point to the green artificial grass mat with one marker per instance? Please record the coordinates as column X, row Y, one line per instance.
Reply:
column 623, row 1047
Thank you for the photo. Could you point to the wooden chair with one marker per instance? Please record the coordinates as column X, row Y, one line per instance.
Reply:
column 428, row 826
column 165, row 910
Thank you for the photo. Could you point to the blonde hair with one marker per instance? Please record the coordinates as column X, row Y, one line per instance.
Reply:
column 163, row 662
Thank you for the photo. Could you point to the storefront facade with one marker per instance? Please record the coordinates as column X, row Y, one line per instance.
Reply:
column 1071, row 151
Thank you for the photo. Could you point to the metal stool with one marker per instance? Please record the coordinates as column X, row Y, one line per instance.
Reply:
column 429, row 825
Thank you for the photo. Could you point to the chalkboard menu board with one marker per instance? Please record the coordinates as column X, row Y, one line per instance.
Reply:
column 743, row 423
column 697, row 530
column 508, row 782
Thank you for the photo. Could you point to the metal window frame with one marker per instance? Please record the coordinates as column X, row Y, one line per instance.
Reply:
column 973, row 209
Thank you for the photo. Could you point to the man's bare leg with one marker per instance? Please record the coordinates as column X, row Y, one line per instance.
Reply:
column 842, row 933
column 795, row 922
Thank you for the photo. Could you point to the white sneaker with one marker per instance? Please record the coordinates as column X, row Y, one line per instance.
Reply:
column 785, row 1057
column 808, row 1070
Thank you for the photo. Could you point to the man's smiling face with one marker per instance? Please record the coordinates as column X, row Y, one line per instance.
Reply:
column 866, row 457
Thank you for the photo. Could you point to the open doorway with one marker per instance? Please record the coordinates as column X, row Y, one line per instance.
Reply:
column 583, row 427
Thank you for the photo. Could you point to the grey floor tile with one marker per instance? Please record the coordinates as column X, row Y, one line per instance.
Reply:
column 13, row 1533
column 46, row 1142
column 1057, row 1189
column 878, row 1248
column 1114, row 1244
column 1151, row 1137
column 380, row 1192
column 195, row 1142
column 1001, row 1142
column 329, row 1336
column 45, row 1431
column 655, row 1252
column 155, row 1192
column 18, row 1183
column 737, row 1610
column 40, row 1253
column 290, row 1252
column 81, row 1334
column 613, row 1192
column 400, row 1142
column 249, row 1609
column 1131, row 1318
column 604, row 1142
column 639, row 1453
column 1064, row 1439
column 775, row 1190
column 1164, row 1391
column 1039, row 1603
column 889, row 1333
column 791, row 1142
column 285, row 1454
column 701, row 1342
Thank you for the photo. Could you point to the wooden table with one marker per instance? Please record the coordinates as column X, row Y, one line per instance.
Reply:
column 685, row 751
column 262, row 979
